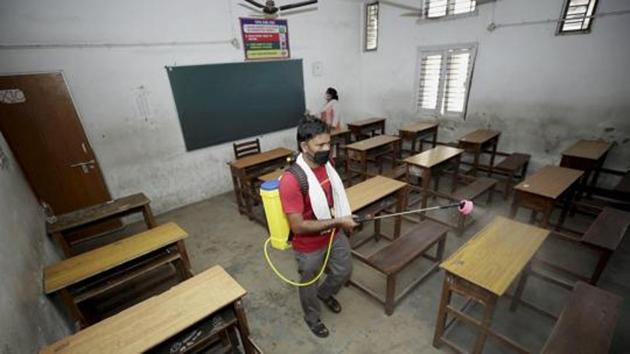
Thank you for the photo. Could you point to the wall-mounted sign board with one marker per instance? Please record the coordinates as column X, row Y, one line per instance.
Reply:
column 265, row 38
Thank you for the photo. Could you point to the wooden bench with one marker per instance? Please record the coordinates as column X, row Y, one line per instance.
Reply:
column 513, row 166
column 83, row 277
column 471, row 191
column 66, row 224
column 604, row 236
column 587, row 323
column 393, row 258
column 181, row 320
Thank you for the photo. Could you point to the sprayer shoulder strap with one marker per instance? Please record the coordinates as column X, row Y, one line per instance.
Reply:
column 300, row 176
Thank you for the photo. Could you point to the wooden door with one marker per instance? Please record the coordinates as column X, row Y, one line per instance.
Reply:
column 41, row 125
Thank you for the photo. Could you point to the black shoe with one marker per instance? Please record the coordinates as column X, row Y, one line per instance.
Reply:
column 319, row 329
column 331, row 303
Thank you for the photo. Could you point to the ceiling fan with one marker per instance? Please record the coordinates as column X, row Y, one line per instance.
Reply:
column 270, row 10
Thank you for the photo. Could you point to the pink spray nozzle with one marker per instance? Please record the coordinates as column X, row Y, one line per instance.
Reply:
column 465, row 207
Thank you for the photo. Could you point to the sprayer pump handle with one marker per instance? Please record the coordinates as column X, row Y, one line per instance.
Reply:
column 360, row 218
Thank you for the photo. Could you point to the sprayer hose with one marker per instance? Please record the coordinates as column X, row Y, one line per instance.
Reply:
column 289, row 281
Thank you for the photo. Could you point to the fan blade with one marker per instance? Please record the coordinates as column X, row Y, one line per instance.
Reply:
column 250, row 8
column 401, row 6
column 260, row 6
column 297, row 4
column 296, row 12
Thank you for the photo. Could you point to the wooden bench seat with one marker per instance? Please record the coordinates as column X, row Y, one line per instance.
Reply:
column 514, row 166
column 393, row 258
column 587, row 323
column 398, row 172
column 89, row 274
column 605, row 234
column 475, row 189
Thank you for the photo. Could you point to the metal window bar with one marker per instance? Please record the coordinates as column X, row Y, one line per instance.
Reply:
column 441, row 8
column 371, row 26
column 429, row 84
column 577, row 15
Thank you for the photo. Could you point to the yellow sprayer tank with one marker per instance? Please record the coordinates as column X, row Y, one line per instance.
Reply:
column 276, row 219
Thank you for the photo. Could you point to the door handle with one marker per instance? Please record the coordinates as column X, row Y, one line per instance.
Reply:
column 85, row 165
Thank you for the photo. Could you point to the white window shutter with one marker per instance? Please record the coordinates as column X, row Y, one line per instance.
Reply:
column 430, row 74
column 371, row 26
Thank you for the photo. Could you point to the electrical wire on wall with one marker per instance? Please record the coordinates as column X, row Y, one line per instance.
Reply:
column 493, row 26
column 69, row 45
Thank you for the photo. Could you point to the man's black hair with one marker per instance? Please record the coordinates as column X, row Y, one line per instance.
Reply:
column 310, row 127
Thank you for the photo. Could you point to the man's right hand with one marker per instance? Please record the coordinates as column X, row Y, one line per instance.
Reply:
column 347, row 223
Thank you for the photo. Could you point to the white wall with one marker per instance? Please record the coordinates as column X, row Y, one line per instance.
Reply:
column 28, row 319
column 140, row 149
column 541, row 90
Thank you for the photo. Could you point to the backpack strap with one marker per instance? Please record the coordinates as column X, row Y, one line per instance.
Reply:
column 300, row 176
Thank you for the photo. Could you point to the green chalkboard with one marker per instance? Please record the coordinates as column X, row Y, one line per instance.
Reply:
column 218, row 103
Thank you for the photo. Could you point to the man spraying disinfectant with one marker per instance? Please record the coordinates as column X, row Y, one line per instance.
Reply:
column 315, row 213
column 310, row 202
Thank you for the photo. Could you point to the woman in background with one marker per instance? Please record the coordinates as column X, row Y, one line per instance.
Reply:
column 330, row 112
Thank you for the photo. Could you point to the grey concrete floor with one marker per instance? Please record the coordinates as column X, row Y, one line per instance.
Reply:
column 219, row 235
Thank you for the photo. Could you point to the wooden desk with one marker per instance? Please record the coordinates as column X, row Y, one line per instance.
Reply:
column 79, row 278
column 415, row 132
column 148, row 324
column 273, row 175
column 478, row 141
column 429, row 162
column 372, row 148
column 374, row 196
column 588, row 156
column 76, row 220
column 540, row 192
column 483, row 269
column 247, row 169
column 370, row 125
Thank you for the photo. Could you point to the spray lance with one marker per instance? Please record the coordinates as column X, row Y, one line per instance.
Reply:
column 279, row 229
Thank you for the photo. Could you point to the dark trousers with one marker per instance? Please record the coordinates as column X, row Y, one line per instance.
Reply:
column 338, row 273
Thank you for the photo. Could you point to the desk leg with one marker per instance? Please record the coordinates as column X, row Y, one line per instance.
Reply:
column 181, row 248
column 455, row 173
column 248, row 202
column 515, row 204
column 601, row 265
column 520, row 287
column 490, row 305
column 237, row 192
column 426, row 179
column 413, row 145
column 72, row 307
column 440, row 323
column 494, row 153
column 243, row 326
column 148, row 217
column 435, row 138
column 401, row 203
column 568, row 200
column 364, row 165
column 63, row 243
column 477, row 152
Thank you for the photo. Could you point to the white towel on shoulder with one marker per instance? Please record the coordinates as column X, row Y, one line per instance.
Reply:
column 317, row 196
